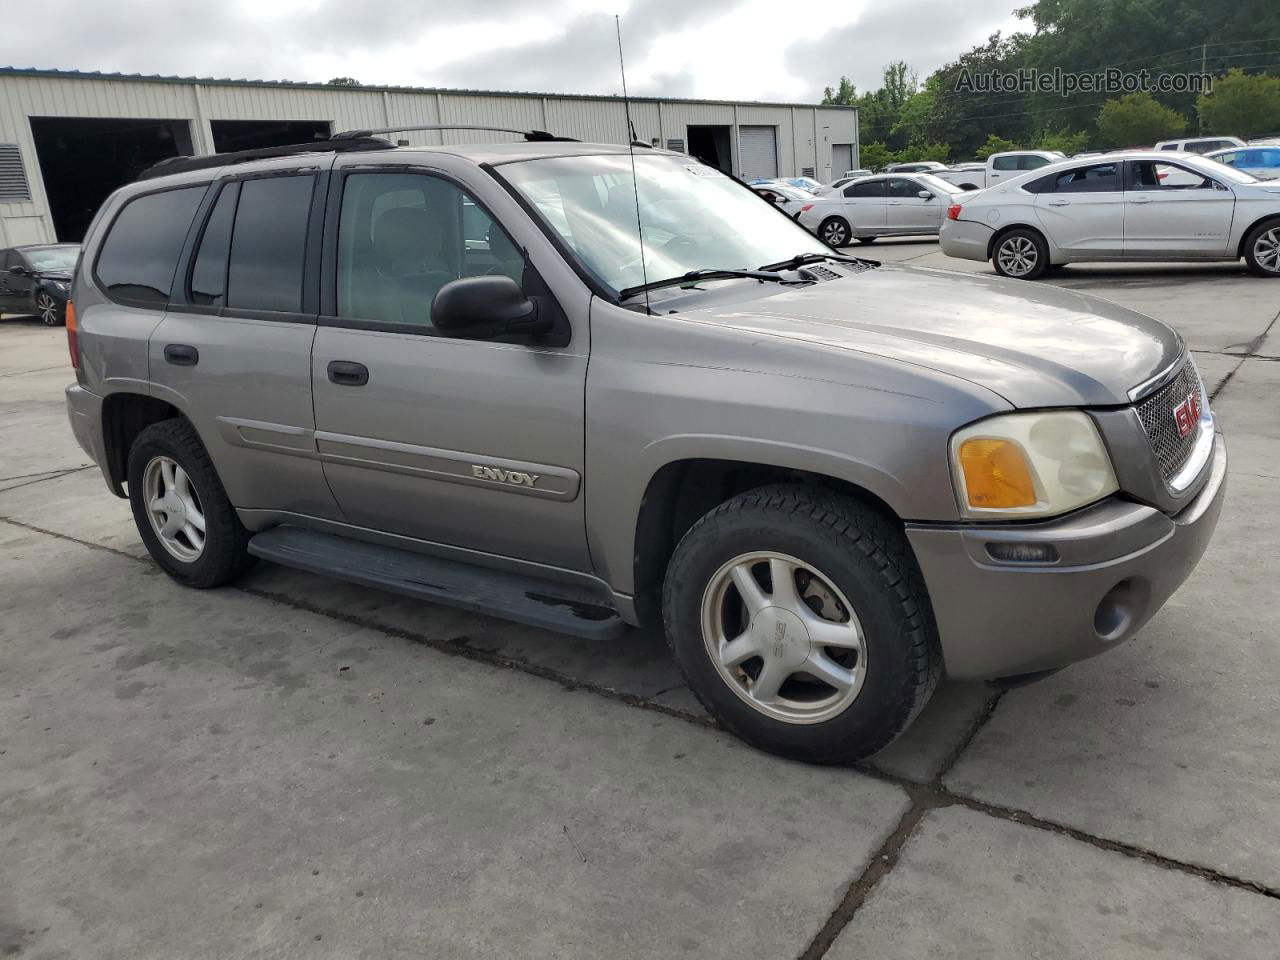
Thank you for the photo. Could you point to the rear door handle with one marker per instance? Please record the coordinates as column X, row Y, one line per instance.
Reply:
column 348, row 373
column 181, row 355
column 1140, row 200
column 1059, row 203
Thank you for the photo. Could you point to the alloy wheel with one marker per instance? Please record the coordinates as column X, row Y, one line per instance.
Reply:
column 174, row 509
column 783, row 637
column 1266, row 250
column 47, row 309
column 835, row 234
column 1018, row 256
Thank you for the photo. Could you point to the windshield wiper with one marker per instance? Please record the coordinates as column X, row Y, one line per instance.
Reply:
column 710, row 273
column 800, row 259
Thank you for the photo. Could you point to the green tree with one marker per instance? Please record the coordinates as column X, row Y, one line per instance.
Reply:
column 922, row 150
column 1241, row 104
column 1063, row 141
column 344, row 82
column 995, row 144
column 1137, row 119
column 845, row 94
column 875, row 156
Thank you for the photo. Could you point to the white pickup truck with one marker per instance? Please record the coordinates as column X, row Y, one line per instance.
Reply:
column 999, row 166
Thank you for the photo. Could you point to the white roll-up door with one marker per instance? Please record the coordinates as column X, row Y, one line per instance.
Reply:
column 841, row 159
column 758, row 150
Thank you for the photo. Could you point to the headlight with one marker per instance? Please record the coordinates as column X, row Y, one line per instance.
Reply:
column 62, row 285
column 1030, row 464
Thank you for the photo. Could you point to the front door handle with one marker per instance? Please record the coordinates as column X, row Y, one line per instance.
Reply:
column 1059, row 203
column 181, row 355
column 348, row 373
column 1140, row 200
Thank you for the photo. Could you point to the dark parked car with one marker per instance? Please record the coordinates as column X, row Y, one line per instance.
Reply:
column 36, row 280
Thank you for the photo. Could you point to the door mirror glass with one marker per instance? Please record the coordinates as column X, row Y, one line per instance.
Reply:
column 925, row 195
column 18, row 270
column 481, row 308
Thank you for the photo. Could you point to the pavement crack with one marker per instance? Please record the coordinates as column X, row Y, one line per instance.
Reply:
column 880, row 865
column 42, row 477
column 1253, row 346
column 963, row 744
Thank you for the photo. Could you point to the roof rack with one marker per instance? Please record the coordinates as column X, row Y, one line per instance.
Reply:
column 213, row 161
column 533, row 136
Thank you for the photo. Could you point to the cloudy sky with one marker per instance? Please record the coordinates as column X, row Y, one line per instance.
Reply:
column 732, row 49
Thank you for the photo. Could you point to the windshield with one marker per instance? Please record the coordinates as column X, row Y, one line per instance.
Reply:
column 694, row 217
column 52, row 258
column 1216, row 169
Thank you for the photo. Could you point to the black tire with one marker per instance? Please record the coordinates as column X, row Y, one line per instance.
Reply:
column 1265, row 235
column 866, row 557
column 48, row 310
column 225, row 555
column 835, row 232
column 867, row 239
column 1029, row 245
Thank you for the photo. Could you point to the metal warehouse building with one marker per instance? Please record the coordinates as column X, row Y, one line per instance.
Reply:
column 68, row 139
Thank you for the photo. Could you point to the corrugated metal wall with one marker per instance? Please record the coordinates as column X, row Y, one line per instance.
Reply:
column 804, row 134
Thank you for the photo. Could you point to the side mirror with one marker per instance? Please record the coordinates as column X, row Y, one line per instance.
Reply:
column 18, row 270
column 481, row 308
column 925, row 195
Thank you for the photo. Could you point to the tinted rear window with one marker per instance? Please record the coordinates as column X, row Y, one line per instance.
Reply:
column 209, row 272
column 269, row 243
column 141, row 250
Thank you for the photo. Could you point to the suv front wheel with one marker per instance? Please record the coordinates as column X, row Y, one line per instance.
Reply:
column 183, row 514
column 801, row 622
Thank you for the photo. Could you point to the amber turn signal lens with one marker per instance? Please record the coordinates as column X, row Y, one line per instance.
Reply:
column 72, row 343
column 996, row 474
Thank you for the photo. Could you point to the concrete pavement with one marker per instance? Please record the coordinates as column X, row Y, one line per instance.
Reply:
column 299, row 766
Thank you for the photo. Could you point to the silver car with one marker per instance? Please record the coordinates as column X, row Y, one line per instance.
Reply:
column 906, row 204
column 461, row 374
column 1132, row 205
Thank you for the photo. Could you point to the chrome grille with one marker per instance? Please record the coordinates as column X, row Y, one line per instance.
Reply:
column 1171, row 449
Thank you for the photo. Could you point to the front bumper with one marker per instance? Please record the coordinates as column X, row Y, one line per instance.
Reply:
column 965, row 239
column 1119, row 562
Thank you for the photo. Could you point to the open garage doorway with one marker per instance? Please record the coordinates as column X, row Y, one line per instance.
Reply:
column 84, row 159
column 231, row 135
column 710, row 144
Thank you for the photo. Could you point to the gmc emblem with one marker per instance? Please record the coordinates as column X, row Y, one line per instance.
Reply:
column 1187, row 414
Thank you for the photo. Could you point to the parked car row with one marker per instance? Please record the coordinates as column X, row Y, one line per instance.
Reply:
column 880, row 206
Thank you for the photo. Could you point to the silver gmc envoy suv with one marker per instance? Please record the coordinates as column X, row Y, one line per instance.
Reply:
column 590, row 389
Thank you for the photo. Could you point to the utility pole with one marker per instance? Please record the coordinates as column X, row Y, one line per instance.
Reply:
column 1200, row 119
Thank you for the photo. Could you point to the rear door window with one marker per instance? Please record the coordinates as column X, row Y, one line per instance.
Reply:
column 269, row 244
column 870, row 188
column 1097, row 178
column 1032, row 162
column 1005, row 163
column 141, row 250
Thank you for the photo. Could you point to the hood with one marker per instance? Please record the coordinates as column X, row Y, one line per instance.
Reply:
column 63, row 276
column 1034, row 344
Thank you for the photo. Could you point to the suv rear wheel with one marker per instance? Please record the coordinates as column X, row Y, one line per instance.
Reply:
column 802, row 624
column 182, row 512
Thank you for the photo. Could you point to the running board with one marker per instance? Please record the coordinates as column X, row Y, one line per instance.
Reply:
column 531, row 601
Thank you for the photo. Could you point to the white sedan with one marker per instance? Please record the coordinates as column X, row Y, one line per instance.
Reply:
column 1131, row 205
column 789, row 199
column 894, row 205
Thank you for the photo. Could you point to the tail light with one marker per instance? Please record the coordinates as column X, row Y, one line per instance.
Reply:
column 953, row 212
column 72, row 344
column 807, row 206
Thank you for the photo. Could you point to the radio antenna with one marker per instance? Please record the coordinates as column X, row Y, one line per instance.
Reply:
column 631, row 148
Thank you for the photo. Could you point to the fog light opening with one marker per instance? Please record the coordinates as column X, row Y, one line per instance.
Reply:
column 1005, row 552
column 1121, row 610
